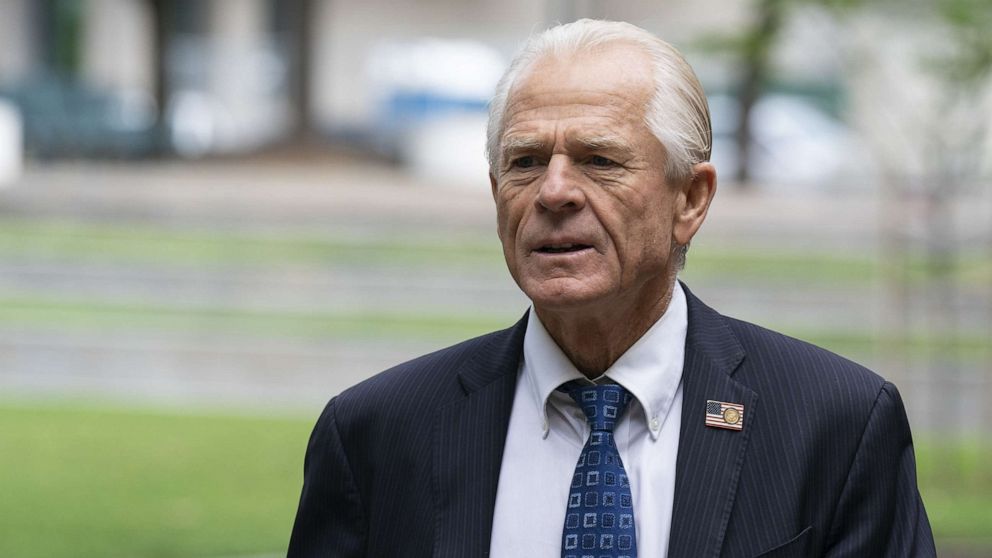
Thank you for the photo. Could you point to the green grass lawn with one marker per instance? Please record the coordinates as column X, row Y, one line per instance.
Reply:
column 956, row 483
column 86, row 481
column 82, row 481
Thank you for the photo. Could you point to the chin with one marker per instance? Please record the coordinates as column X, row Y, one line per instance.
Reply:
column 562, row 294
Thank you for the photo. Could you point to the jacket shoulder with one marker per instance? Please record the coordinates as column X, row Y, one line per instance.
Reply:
column 828, row 449
column 429, row 380
column 795, row 376
column 778, row 354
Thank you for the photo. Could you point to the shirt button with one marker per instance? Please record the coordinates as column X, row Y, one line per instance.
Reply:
column 654, row 424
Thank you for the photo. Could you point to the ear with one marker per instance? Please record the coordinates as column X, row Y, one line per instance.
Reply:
column 693, row 202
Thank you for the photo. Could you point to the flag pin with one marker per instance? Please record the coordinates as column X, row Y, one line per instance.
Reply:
column 720, row 414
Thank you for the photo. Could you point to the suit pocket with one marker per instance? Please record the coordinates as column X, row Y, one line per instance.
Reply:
column 796, row 547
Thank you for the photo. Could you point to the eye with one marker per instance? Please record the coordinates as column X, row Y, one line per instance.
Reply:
column 600, row 161
column 525, row 162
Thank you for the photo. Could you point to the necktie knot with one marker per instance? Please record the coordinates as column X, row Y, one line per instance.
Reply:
column 602, row 404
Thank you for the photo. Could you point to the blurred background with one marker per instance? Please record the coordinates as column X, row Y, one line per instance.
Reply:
column 216, row 214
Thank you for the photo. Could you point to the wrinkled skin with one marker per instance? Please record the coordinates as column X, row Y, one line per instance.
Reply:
column 584, row 212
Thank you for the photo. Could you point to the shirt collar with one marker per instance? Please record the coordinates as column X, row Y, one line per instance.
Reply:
column 651, row 369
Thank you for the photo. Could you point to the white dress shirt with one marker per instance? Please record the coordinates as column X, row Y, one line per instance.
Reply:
column 548, row 430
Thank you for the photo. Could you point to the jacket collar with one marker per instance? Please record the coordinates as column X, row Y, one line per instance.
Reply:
column 469, row 435
column 709, row 459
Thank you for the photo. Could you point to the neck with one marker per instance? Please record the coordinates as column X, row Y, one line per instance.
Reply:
column 593, row 339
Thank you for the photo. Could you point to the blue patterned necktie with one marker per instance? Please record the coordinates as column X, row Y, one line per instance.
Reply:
column 599, row 521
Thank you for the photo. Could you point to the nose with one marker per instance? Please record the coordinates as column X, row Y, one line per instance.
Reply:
column 560, row 189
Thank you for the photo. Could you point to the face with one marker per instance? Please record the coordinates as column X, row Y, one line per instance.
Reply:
column 584, row 212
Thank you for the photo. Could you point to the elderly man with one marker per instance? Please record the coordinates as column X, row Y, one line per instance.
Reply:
column 621, row 416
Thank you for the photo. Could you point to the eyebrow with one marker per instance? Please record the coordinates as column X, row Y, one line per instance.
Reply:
column 604, row 143
column 613, row 143
column 518, row 144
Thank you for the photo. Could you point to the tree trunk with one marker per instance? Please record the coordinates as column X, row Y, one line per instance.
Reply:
column 756, row 61
column 162, row 15
column 301, row 15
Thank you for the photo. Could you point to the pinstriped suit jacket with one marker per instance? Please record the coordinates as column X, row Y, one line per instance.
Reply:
column 406, row 464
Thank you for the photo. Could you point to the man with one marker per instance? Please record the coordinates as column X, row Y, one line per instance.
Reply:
column 621, row 416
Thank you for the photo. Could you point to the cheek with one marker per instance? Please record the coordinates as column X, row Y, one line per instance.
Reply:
column 645, row 237
column 508, row 218
column 502, row 210
column 509, row 214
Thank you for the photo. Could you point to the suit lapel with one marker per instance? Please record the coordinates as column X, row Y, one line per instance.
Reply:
column 469, row 435
column 709, row 459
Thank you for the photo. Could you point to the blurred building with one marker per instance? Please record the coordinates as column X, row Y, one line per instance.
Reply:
column 406, row 80
column 137, row 78
column 409, row 80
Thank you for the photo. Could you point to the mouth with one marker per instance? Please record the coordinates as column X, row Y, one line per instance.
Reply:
column 566, row 248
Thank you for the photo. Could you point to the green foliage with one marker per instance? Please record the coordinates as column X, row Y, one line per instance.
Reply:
column 968, row 63
column 66, row 28
column 970, row 59
column 971, row 26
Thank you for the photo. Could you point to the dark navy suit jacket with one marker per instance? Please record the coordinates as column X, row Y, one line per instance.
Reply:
column 406, row 464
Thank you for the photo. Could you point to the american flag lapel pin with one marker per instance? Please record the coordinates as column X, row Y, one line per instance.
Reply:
column 720, row 414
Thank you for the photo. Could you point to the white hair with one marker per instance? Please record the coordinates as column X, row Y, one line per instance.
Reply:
column 677, row 114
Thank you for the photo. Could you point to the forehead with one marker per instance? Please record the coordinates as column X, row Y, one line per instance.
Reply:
column 607, row 86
